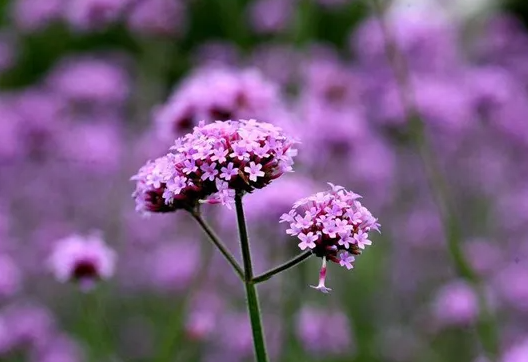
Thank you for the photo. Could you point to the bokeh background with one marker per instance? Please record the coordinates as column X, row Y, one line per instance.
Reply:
column 92, row 89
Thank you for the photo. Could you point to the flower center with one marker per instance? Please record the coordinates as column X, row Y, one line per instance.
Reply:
column 85, row 269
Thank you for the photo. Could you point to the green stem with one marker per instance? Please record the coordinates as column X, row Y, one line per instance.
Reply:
column 94, row 324
column 486, row 325
column 218, row 243
column 304, row 25
column 234, row 29
column 287, row 265
column 251, row 289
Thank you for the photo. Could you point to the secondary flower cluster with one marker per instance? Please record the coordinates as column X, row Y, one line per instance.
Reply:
column 212, row 164
column 333, row 225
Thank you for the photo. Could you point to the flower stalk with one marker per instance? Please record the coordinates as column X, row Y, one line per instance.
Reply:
column 218, row 243
column 285, row 266
column 257, row 329
column 486, row 325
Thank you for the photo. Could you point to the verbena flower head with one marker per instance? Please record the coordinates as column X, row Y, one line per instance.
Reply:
column 333, row 225
column 213, row 163
column 82, row 259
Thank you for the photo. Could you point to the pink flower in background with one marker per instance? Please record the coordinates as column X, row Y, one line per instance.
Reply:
column 517, row 353
column 90, row 79
column 60, row 348
column 29, row 325
column 429, row 42
column 241, row 169
column 7, row 52
column 216, row 53
column 510, row 284
column 270, row 16
column 444, row 104
column 484, row 255
column 83, row 259
column 10, row 276
column 86, row 15
column 503, row 43
column 158, row 17
column 92, row 146
column 34, row 118
column 456, row 304
column 172, row 266
column 10, row 143
column 33, row 15
column 203, row 315
column 232, row 337
column 211, row 94
column 330, row 82
column 277, row 61
column 324, row 332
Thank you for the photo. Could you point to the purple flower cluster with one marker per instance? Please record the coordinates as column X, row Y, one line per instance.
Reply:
column 213, row 163
column 333, row 225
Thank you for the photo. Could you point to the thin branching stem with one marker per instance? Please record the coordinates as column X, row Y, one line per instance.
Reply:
column 486, row 327
column 285, row 266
